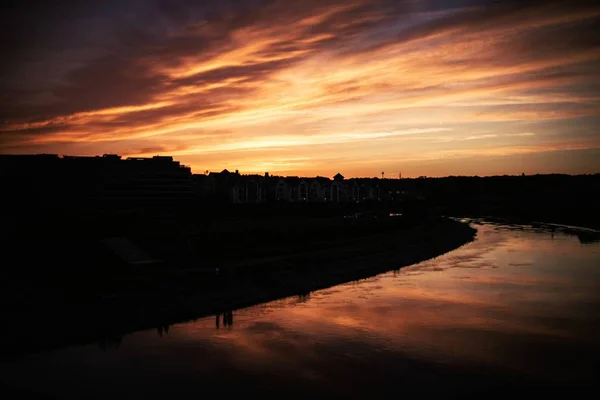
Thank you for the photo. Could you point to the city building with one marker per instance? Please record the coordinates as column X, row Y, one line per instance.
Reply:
column 112, row 182
column 98, row 182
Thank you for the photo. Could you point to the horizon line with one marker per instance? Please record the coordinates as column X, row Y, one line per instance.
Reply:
column 61, row 156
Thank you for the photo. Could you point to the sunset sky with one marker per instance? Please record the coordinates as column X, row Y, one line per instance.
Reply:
column 307, row 87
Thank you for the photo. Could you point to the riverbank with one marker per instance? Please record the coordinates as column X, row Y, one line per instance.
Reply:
column 154, row 298
column 584, row 233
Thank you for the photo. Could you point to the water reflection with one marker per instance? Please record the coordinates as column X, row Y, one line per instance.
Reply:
column 304, row 297
column 517, row 306
column 588, row 237
column 162, row 329
column 110, row 343
column 227, row 318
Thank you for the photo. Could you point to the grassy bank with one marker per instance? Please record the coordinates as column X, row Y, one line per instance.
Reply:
column 268, row 259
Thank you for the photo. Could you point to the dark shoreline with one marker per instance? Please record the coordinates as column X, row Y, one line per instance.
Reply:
column 109, row 320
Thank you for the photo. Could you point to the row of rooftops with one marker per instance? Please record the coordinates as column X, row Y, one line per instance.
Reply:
column 40, row 160
column 227, row 174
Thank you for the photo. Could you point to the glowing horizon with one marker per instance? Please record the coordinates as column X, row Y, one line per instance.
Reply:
column 312, row 88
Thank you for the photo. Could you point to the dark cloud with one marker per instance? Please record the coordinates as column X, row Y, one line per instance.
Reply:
column 492, row 15
column 120, row 72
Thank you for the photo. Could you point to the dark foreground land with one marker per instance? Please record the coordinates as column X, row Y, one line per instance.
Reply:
column 61, row 286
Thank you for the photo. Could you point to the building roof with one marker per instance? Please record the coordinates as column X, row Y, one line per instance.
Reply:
column 322, row 180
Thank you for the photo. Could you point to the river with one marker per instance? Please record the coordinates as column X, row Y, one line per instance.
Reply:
column 518, row 307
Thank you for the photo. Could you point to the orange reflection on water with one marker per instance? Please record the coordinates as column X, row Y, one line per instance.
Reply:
column 516, row 304
column 468, row 305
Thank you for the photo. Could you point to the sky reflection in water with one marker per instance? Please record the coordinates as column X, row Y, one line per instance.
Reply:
column 516, row 306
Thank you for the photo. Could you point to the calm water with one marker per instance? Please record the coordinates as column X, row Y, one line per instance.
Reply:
column 518, row 306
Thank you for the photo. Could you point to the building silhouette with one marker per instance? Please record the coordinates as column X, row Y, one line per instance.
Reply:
column 112, row 183
column 235, row 188
column 101, row 182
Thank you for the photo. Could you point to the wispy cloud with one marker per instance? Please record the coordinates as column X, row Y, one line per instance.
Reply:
column 522, row 134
